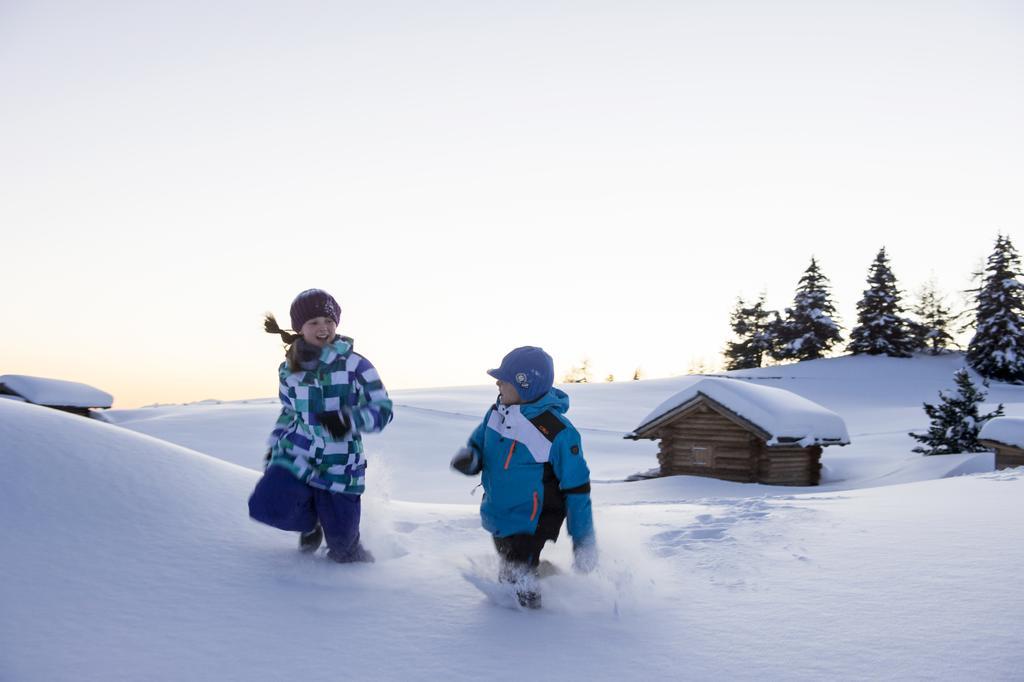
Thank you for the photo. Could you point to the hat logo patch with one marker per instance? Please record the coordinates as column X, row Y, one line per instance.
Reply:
column 522, row 380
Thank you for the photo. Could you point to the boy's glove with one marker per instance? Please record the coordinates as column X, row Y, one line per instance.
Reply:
column 584, row 555
column 336, row 423
column 467, row 461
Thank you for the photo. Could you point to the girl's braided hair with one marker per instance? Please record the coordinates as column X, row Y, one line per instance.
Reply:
column 271, row 327
column 291, row 348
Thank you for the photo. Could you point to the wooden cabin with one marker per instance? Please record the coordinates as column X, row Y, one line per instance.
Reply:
column 67, row 396
column 1005, row 435
column 735, row 430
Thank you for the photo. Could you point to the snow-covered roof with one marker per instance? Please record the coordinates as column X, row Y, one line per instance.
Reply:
column 55, row 392
column 784, row 416
column 1004, row 430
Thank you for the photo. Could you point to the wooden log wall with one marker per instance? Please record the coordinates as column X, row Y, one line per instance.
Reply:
column 790, row 466
column 1008, row 457
column 703, row 442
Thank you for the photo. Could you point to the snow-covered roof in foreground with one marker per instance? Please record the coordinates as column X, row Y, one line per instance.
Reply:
column 56, row 392
column 783, row 415
column 1004, row 430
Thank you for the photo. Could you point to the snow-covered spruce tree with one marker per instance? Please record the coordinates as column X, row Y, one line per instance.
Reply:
column 930, row 331
column 753, row 325
column 881, row 328
column 997, row 349
column 808, row 331
column 955, row 420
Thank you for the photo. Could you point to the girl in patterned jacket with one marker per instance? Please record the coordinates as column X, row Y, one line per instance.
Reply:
column 330, row 395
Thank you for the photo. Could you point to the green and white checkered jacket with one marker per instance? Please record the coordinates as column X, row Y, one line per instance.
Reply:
column 343, row 382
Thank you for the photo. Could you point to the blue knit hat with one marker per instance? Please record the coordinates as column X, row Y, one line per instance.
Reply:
column 529, row 369
column 314, row 303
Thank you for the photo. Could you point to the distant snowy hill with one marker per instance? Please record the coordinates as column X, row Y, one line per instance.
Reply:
column 879, row 399
column 127, row 557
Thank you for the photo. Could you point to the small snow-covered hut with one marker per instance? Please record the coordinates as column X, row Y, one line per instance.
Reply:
column 69, row 396
column 736, row 430
column 1005, row 435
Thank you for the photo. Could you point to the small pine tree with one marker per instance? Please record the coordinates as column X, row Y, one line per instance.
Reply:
column 955, row 422
column 808, row 331
column 610, row 378
column 881, row 328
column 997, row 349
column 579, row 375
column 754, row 326
column 638, row 375
column 930, row 331
column 697, row 366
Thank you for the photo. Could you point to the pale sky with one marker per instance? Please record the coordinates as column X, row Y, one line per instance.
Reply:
column 599, row 178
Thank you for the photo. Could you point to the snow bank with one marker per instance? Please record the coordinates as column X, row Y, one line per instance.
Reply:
column 128, row 558
column 56, row 392
column 1004, row 430
column 785, row 416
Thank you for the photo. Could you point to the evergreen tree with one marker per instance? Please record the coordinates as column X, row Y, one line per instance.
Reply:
column 808, row 331
column 930, row 331
column 997, row 349
column 881, row 328
column 698, row 366
column 955, row 420
column 578, row 375
column 753, row 325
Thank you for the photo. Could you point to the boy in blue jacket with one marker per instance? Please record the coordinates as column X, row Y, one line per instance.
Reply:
column 534, row 473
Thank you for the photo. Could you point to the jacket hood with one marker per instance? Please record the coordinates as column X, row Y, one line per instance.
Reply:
column 555, row 399
column 342, row 345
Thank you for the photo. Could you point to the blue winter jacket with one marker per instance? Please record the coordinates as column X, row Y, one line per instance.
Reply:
column 534, row 473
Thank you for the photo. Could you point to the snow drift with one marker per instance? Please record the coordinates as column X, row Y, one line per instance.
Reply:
column 56, row 392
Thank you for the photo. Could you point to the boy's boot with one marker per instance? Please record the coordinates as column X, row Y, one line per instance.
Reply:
column 528, row 599
column 524, row 580
column 527, row 589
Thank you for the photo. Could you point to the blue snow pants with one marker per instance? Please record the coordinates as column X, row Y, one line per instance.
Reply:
column 283, row 501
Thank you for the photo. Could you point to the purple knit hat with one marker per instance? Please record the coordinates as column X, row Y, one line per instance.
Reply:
column 314, row 303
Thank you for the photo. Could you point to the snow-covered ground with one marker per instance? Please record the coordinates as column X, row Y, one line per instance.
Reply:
column 128, row 553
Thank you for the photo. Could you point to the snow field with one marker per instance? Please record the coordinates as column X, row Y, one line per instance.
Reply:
column 128, row 557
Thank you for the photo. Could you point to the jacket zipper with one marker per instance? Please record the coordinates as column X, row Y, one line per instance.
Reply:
column 508, row 459
column 536, row 501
